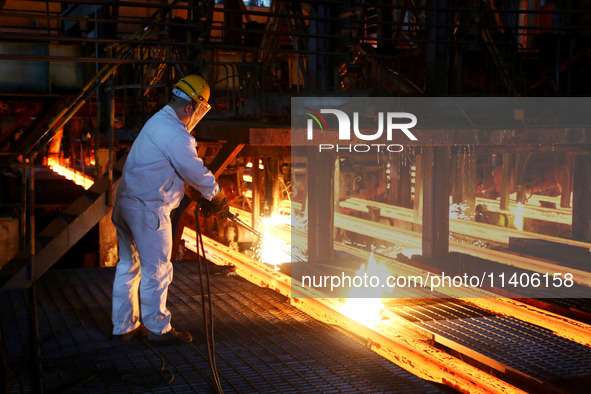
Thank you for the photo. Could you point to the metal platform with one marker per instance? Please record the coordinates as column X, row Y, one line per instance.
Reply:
column 263, row 344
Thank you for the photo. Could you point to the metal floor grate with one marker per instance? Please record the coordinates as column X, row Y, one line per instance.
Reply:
column 436, row 309
column 263, row 344
column 526, row 348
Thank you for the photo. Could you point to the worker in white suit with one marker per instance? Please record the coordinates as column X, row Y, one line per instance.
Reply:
column 162, row 157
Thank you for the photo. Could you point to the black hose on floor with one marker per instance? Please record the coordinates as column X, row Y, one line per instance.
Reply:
column 206, row 303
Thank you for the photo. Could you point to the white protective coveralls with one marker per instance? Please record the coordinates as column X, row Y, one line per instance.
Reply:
column 162, row 156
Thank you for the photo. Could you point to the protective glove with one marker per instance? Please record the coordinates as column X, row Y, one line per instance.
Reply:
column 217, row 206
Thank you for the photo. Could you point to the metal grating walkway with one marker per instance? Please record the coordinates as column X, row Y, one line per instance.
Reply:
column 528, row 349
column 523, row 347
column 263, row 344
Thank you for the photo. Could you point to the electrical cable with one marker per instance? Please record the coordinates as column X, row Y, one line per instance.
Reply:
column 207, row 309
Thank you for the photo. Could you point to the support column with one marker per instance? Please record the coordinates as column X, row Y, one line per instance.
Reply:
column 108, row 253
column 400, row 182
column 521, row 160
column 108, row 256
column 437, row 56
column 463, row 176
column 321, row 69
column 276, row 184
column 435, row 163
column 404, row 184
column 566, row 180
column 321, row 207
column 256, row 192
column 272, row 185
column 506, row 181
column 385, row 26
column 392, row 192
column 417, row 203
column 582, row 199
column 337, row 184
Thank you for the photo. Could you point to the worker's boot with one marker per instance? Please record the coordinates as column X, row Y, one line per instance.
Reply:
column 172, row 337
column 140, row 331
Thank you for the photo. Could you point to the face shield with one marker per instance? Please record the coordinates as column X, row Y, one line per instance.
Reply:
column 200, row 108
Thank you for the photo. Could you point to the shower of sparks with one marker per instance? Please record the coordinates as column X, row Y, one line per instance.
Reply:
column 458, row 211
column 271, row 249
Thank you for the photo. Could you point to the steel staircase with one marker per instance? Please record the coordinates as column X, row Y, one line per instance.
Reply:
column 75, row 221
column 62, row 233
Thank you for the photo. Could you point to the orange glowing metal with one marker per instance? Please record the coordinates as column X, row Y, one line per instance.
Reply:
column 75, row 176
column 414, row 355
column 367, row 311
column 273, row 250
column 389, row 338
column 261, row 166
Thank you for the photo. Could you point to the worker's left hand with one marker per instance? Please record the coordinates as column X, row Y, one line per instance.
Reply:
column 218, row 206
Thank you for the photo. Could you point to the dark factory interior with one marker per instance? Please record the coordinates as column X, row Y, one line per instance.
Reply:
column 503, row 204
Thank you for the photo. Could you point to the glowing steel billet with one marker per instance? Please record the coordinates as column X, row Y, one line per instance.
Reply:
column 75, row 176
column 267, row 277
column 390, row 341
column 560, row 325
column 383, row 232
column 388, row 233
column 478, row 230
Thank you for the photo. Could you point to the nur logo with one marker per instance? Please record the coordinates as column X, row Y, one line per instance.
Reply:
column 345, row 124
column 317, row 117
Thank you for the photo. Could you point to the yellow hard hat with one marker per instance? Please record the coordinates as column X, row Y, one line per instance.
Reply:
column 195, row 87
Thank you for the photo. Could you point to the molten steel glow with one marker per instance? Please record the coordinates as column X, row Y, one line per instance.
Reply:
column 272, row 250
column 261, row 166
column 367, row 311
column 519, row 217
column 75, row 176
